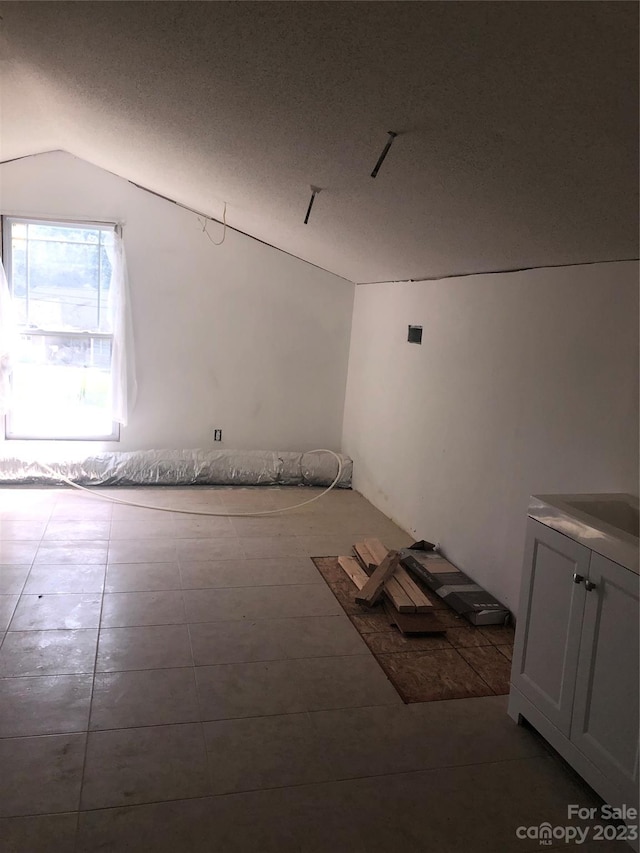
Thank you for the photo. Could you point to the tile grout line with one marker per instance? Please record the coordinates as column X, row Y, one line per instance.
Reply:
column 307, row 712
column 93, row 684
column 190, row 666
column 199, row 703
column 21, row 593
column 77, row 810
column 341, row 780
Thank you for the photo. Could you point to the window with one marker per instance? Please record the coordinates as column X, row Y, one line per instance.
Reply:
column 60, row 277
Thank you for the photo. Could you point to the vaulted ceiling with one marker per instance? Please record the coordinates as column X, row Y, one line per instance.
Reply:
column 516, row 121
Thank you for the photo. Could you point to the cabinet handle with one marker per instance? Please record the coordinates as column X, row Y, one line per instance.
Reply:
column 577, row 578
column 589, row 586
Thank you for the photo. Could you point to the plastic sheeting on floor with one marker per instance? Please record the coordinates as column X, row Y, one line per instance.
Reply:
column 183, row 468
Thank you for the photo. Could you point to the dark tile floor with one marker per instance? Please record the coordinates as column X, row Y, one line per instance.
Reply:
column 172, row 682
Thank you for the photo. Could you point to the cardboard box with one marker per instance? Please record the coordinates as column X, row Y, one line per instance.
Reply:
column 454, row 587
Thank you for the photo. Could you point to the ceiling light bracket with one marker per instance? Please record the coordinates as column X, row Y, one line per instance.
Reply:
column 385, row 151
column 314, row 193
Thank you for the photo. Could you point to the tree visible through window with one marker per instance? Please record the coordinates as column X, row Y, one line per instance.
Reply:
column 60, row 276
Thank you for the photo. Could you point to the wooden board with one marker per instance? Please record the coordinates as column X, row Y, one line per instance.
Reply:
column 415, row 623
column 392, row 590
column 422, row 602
column 416, row 596
column 352, row 568
column 374, row 587
column 365, row 557
column 376, row 549
column 398, row 596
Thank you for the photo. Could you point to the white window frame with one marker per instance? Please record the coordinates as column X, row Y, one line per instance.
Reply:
column 5, row 247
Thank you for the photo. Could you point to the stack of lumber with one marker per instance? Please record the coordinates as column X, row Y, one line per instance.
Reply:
column 377, row 574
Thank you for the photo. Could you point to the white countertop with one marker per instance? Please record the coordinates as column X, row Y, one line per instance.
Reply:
column 582, row 518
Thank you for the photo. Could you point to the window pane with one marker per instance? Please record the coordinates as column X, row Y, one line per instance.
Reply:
column 18, row 277
column 62, row 387
column 63, row 233
column 63, row 285
column 60, row 277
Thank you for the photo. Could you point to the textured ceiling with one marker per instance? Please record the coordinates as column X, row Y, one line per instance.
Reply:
column 517, row 122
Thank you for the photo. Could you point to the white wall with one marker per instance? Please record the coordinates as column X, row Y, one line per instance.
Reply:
column 239, row 336
column 525, row 383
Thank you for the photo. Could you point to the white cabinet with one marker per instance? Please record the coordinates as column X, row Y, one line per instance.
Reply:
column 575, row 663
column 605, row 711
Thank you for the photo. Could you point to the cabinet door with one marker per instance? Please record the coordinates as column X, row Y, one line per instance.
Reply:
column 545, row 654
column 605, row 717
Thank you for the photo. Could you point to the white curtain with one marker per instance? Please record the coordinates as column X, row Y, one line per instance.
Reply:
column 124, row 388
column 8, row 342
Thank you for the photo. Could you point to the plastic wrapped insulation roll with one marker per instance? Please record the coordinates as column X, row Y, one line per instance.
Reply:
column 182, row 468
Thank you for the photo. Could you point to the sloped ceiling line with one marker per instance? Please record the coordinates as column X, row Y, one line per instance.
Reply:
column 180, row 204
column 315, row 191
column 500, row 272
